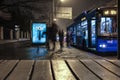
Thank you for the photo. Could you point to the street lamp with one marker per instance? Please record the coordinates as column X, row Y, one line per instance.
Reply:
column 62, row 0
column 54, row 19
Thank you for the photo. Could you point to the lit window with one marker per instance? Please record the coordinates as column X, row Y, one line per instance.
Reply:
column 113, row 12
column 106, row 12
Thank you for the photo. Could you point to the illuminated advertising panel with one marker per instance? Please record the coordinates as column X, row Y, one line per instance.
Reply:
column 39, row 33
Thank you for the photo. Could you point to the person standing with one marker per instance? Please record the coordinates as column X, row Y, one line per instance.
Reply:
column 68, row 38
column 48, row 37
column 61, row 39
column 53, row 33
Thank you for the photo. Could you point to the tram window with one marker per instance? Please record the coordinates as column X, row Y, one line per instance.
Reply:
column 71, row 29
column 78, row 30
column 74, row 29
column 93, row 33
column 84, row 32
column 107, row 26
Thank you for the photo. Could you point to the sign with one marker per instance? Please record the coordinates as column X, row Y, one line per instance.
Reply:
column 39, row 33
column 110, row 12
column 64, row 12
column 84, row 18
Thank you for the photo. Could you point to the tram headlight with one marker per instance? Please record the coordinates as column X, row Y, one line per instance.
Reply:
column 102, row 45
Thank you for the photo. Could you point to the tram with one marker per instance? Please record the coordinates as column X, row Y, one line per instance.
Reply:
column 97, row 29
column 72, row 34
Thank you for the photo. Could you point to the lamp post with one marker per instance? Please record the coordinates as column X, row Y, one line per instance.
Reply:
column 54, row 12
column 118, row 53
column 62, row 0
column 54, row 9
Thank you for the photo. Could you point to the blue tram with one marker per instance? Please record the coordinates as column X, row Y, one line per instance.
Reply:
column 72, row 34
column 96, row 29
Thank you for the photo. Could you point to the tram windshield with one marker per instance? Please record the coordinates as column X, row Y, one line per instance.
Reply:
column 108, row 27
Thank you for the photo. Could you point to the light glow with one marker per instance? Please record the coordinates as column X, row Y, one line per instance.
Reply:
column 113, row 12
column 55, row 19
column 102, row 45
column 106, row 12
column 62, row 0
column 110, row 12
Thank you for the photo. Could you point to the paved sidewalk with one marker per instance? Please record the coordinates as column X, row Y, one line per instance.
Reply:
column 73, row 53
column 9, row 41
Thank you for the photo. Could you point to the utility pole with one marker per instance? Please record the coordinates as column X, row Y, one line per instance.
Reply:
column 118, row 24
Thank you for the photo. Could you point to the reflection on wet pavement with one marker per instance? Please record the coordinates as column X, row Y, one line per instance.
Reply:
column 31, row 53
column 41, row 53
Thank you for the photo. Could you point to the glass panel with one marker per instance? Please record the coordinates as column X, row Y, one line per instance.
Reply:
column 102, row 25
column 79, row 35
column 74, row 35
column 93, row 33
column 78, row 30
column 85, row 33
column 108, row 27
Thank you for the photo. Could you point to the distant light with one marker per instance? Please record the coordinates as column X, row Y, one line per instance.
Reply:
column 65, row 33
column 84, row 18
column 16, row 26
column 98, row 8
column 62, row 0
column 110, row 12
column 106, row 12
column 113, row 12
column 55, row 19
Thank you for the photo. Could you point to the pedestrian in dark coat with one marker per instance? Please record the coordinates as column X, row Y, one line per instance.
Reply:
column 54, row 30
column 61, row 39
column 68, row 38
column 48, row 37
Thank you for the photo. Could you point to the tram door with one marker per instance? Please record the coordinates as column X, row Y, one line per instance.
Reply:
column 74, row 35
column 85, row 33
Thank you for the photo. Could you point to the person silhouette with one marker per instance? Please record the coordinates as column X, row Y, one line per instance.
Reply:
column 61, row 39
column 54, row 30
column 68, row 38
